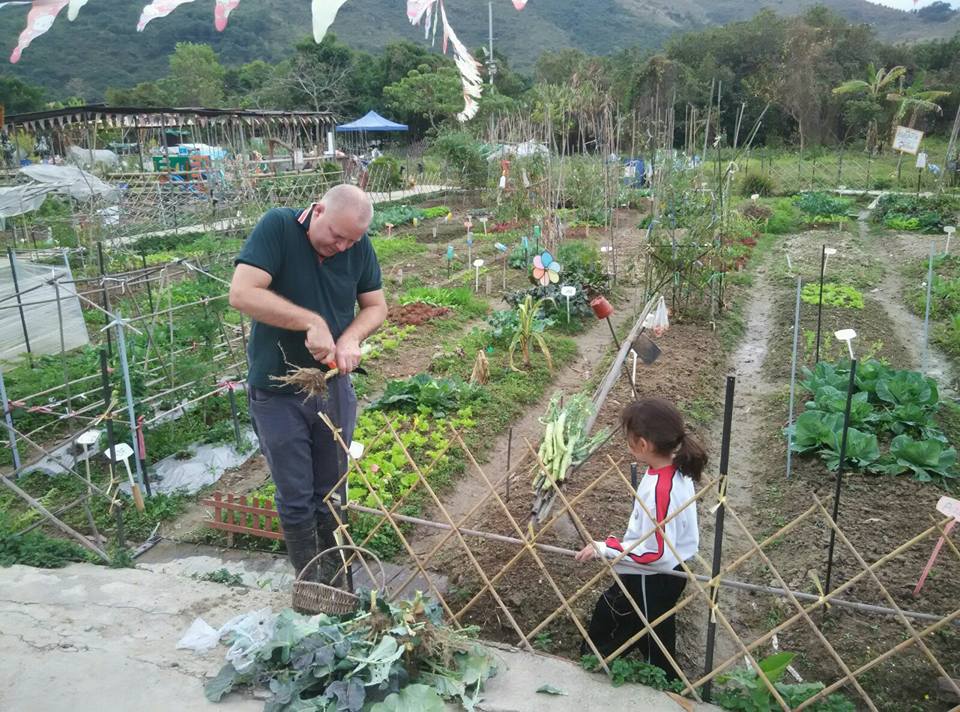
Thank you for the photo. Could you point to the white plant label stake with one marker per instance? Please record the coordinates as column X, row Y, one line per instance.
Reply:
column 951, row 508
column 949, row 229
column 502, row 249
column 356, row 449
column 828, row 251
column 606, row 250
column 847, row 335
column 85, row 440
column 477, row 264
column 122, row 451
column 568, row 291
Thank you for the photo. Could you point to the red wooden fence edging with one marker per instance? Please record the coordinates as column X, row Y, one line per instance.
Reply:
column 235, row 516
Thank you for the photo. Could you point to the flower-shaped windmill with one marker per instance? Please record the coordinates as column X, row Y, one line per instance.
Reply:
column 546, row 270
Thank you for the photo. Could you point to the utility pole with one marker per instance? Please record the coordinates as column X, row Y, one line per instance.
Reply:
column 491, row 64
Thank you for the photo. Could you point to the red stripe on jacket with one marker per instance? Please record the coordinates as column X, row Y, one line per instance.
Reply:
column 663, row 489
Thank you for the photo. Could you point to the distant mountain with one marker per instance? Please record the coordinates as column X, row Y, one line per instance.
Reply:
column 101, row 48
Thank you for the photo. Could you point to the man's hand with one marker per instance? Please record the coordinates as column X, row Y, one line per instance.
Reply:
column 319, row 341
column 347, row 354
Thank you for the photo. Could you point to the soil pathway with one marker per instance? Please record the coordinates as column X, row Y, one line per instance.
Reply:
column 471, row 488
column 906, row 325
column 750, row 413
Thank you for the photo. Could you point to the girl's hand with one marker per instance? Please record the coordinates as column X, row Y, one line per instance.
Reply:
column 587, row 553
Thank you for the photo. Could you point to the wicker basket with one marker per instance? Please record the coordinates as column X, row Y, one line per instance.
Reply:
column 315, row 597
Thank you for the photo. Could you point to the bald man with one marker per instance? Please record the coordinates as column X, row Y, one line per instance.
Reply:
column 301, row 276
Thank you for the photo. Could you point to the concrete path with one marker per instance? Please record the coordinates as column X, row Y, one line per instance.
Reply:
column 91, row 638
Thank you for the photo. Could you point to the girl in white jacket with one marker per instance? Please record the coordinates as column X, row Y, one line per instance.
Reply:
column 675, row 460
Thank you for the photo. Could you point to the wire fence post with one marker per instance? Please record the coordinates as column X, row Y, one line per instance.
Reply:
column 8, row 420
column 926, row 313
column 128, row 388
column 143, row 261
column 843, row 453
column 232, row 396
column 718, row 532
column 793, row 378
column 63, row 347
column 108, row 419
column 16, row 289
column 823, row 266
column 104, row 295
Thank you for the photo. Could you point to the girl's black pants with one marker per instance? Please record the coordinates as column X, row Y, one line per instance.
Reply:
column 615, row 621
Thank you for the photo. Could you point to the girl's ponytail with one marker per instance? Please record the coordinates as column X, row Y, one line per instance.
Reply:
column 658, row 421
column 690, row 458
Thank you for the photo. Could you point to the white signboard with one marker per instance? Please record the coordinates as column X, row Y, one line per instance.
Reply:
column 907, row 140
column 922, row 160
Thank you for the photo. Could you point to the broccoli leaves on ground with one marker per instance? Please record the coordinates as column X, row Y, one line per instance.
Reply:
column 383, row 657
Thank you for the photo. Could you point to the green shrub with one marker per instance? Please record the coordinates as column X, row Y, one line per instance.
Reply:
column 385, row 174
column 786, row 218
column 577, row 254
column 757, row 184
column 464, row 153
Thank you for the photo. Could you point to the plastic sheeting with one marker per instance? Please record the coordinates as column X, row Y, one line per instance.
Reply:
column 203, row 468
column 72, row 181
column 38, row 297
column 20, row 199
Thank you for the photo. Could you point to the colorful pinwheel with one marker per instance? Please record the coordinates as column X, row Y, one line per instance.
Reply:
column 545, row 270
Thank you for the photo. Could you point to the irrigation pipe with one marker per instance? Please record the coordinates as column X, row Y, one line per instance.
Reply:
column 729, row 583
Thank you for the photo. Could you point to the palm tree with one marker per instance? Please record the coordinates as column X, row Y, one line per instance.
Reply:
column 874, row 88
column 916, row 101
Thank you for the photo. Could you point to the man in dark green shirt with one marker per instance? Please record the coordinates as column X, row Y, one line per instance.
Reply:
column 300, row 276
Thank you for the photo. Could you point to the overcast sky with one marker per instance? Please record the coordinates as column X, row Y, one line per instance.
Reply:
column 906, row 4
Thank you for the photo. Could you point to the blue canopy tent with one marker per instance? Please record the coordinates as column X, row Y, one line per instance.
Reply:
column 371, row 122
column 360, row 143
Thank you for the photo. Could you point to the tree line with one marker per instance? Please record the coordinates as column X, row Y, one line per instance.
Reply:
column 817, row 78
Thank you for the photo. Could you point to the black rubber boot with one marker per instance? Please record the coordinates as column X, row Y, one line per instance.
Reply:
column 331, row 565
column 301, row 543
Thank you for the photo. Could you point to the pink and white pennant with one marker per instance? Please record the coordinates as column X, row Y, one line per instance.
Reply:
column 221, row 13
column 39, row 20
column 156, row 9
column 426, row 12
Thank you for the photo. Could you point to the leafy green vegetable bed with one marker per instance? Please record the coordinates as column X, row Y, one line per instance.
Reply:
column 890, row 408
column 914, row 213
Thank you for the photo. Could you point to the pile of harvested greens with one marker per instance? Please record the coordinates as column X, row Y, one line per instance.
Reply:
column 566, row 442
column 382, row 658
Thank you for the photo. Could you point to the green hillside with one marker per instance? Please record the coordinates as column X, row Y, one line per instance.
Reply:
column 101, row 48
